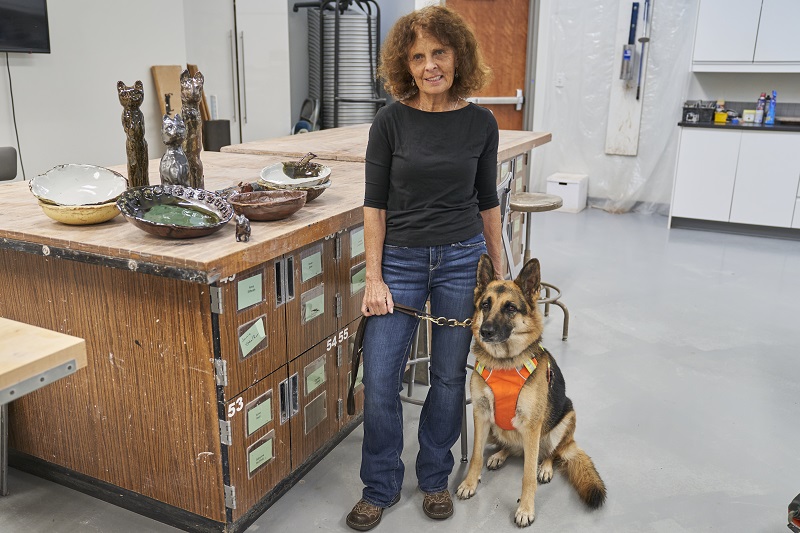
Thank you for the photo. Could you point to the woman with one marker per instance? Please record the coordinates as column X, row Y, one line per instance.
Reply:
column 430, row 211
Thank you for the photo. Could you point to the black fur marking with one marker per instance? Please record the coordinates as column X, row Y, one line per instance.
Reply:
column 596, row 498
column 500, row 289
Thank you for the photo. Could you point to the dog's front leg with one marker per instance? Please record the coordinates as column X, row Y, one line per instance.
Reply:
column 481, row 422
column 526, row 512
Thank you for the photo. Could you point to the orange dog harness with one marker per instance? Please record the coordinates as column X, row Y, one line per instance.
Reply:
column 506, row 386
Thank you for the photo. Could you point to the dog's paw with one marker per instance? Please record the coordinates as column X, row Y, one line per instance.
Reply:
column 467, row 489
column 545, row 471
column 525, row 515
column 496, row 460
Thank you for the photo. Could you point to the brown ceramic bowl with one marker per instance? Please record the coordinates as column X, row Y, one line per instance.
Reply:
column 267, row 205
column 138, row 204
column 313, row 192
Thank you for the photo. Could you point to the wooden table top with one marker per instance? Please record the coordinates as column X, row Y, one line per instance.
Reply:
column 350, row 144
column 121, row 244
column 27, row 351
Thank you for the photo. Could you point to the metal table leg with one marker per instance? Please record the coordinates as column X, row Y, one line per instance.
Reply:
column 4, row 449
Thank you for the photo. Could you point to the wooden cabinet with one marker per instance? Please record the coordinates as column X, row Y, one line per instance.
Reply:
column 737, row 176
column 705, row 174
column 766, row 179
column 747, row 36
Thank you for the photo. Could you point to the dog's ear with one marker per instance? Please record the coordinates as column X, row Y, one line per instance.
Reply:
column 485, row 274
column 529, row 279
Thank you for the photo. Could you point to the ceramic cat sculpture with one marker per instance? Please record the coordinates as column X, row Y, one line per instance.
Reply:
column 131, row 99
column 242, row 228
column 174, row 168
column 191, row 92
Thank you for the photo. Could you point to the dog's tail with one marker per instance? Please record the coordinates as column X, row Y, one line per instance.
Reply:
column 583, row 475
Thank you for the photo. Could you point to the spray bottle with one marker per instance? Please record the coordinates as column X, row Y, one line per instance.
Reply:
column 762, row 100
column 770, row 116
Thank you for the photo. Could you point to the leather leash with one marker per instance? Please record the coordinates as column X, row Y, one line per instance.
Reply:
column 358, row 345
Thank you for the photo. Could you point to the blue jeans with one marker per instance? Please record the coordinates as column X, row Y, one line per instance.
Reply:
column 446, row 275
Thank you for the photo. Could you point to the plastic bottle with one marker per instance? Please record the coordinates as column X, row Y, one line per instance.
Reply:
column 770, row 116
column 762, row 101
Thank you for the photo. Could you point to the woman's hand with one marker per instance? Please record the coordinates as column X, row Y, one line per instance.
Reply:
column 377, row 299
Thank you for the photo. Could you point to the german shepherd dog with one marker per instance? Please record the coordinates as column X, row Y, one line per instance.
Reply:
column 507, row 331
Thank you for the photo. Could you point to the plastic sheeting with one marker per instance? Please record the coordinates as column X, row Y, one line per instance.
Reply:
column 581, row 45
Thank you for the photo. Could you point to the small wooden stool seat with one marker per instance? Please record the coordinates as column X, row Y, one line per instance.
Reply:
column 534, row 202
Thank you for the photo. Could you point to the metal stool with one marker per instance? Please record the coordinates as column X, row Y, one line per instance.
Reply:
column 532, row 202
column 412, row 362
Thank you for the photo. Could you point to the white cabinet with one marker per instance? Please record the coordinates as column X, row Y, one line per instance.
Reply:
column 777, row 32
column 737, row 176
column 747, row 36
column 726, row 30
column 705, row 174
column 242, row 49
column 766, row 179
column 796, row 219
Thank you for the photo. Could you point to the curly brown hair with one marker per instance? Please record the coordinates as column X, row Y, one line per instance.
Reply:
column 446, row 26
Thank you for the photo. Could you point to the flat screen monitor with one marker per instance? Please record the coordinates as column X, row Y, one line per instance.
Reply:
column 23, row 26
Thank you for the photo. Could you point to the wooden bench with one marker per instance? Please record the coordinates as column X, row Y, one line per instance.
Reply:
column 30, row 358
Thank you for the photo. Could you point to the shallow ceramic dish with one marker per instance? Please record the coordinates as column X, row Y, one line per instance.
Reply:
column 75, row 184
column 268, row 205
column 174, row 211
column 282, row 174
column 80, row 215
column 313, row 192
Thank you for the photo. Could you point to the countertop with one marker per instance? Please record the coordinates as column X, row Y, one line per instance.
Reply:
column 741, row 126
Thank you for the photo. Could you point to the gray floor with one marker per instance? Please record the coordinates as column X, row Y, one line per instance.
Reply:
column 684, row 368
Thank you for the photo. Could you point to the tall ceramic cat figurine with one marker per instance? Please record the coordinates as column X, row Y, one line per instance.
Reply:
column 131, row 99
column 191, row 92
column 174, row 168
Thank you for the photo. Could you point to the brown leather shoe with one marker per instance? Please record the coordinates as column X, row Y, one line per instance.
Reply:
column 365, row 516
column 438, row 505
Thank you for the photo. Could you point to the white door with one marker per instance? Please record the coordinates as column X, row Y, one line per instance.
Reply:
column 262, row 41
column 705, row 174
column 726, row 30
column 777, row 32
column 766, row 179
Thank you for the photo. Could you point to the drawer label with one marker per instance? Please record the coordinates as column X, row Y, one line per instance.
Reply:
column 357, row 242
column 313, row 302
column 311, row 264
column 358, row 278
column 315, row 412
column 254, row 336
column 259, row 413
column 260, row 453
column 249, row 292
column 315, row 374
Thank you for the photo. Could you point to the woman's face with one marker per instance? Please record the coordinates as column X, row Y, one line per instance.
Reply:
column 432, row 65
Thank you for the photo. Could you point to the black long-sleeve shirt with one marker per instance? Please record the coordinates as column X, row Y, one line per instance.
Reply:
column 433, row 173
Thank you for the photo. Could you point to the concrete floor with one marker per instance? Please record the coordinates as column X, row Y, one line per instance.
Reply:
column 683, row 363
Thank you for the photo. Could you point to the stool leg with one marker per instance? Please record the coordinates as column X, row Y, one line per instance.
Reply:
column 565, row 331
column 546, row 297
column 412, row 378
column 4, row 449
column 527, row 256
column 464, row 431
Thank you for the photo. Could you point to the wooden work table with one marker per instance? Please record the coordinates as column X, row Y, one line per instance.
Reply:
column 216, row 370
column 119, row 244
column 350, row 144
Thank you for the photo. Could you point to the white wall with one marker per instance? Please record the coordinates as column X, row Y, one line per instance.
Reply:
column 66, row 101
column 743, row 87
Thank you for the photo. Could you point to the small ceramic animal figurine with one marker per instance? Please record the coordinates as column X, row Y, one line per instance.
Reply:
column 174, row 168
column 131, row 99
column 242, row 228
column 191, row 92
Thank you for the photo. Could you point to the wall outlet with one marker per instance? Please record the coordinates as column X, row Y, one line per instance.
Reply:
column 560, row 79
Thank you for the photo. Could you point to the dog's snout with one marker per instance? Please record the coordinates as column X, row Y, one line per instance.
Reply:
column 488, row 331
